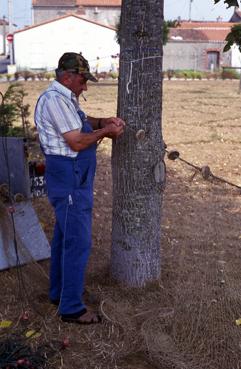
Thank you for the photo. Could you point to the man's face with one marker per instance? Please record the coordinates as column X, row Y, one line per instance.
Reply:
column 77, row 83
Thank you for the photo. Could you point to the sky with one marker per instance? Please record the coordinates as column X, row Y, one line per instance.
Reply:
column 201, row 10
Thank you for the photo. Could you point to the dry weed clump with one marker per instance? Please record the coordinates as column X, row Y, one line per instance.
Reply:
column 118, row 336
column 162, row 349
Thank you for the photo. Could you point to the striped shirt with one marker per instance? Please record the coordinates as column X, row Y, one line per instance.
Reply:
column 56, row 113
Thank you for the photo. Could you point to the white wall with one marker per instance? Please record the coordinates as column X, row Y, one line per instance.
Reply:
column 40, row 47
column 235, row 57
column 1, row 44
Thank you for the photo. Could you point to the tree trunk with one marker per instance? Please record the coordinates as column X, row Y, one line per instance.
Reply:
column 137, row 156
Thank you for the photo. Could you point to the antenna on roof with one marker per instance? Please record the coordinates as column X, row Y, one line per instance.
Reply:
column 190, row 10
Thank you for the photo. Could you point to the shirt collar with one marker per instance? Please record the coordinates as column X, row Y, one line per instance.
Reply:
column 64, row 91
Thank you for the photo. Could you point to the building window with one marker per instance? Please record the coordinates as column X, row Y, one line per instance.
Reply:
column 213, row 60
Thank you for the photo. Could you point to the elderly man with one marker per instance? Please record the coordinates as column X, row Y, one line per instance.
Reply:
column 68, row 139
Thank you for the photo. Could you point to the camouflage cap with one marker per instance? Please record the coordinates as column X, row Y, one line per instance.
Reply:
column 74, row 62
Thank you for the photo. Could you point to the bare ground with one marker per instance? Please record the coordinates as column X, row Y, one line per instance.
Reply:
column 187, row 319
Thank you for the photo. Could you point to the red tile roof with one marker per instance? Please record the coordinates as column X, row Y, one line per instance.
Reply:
column 198, row 24
column 54, row 3
column 201, row 31
column 198, row 35
column 99, row 2
column 70, row 3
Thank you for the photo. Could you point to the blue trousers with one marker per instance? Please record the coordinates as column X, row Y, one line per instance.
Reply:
column 70, row 191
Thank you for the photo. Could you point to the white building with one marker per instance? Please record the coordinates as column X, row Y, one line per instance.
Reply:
column 39, row 47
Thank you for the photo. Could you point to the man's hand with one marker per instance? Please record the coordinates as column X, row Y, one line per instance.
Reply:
column 114, row 126
column 114, row 130
column 112, row 120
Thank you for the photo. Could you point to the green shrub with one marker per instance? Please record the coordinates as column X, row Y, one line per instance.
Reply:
column 229, row 73
column 188, row 74
column 49, row 75
column 113, row 75
column 15, row 132
column 179, row 74
column 197, row 75
column 13, row 109
column 207, row 75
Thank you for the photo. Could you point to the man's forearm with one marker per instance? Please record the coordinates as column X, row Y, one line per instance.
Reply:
column 80, row 141
column 96, row 123
column 87, row 139
column 112, row 128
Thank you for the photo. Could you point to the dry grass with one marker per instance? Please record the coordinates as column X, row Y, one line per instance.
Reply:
column 187, row 319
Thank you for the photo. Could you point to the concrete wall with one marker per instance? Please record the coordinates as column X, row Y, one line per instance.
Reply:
column 108, row 16
column 3, row 29
column 1, row 44
column 236, row 57
column 192, row 55
column 40, row 47
column 44, row 14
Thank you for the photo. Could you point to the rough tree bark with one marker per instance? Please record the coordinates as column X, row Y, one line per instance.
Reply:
column 137, row 157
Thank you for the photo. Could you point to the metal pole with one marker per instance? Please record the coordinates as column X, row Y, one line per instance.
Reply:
column 4, row 35
column 10, row 21
column 190, row 10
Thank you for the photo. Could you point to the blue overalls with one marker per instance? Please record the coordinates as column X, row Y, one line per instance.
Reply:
column 70, row 191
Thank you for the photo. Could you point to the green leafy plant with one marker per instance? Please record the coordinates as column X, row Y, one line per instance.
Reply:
column 13, row 109
column 179, row 74
column 8, row 114
column 234, row 37
column 229, row 73
column 166, row 28
column 49, row 75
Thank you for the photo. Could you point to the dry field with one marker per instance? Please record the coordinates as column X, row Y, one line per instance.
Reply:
column 188, row 318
